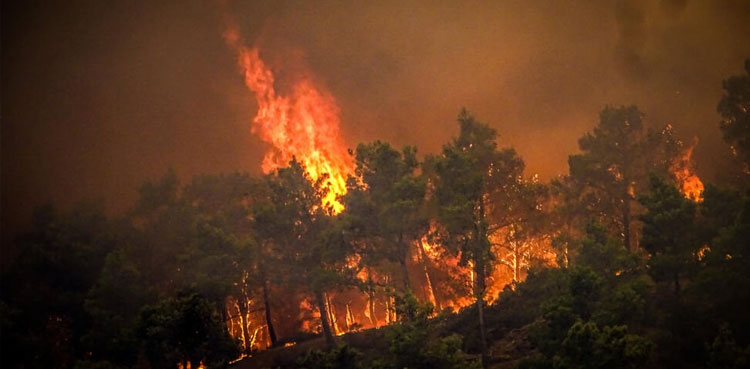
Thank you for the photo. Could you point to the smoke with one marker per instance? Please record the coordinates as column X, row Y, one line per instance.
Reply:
column 631, row 23
column 98, row 96
column 673, row 7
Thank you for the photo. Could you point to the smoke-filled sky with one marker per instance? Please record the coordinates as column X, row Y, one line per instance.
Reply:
column 98, row 96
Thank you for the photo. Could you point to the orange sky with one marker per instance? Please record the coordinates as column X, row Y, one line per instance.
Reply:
column 98, row 96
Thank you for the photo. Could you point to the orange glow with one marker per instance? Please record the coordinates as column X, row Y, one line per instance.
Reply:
column 303, row 124
column 189, row 366
column 703, row 251
column 431, row 250
column 690, row 185
column 238, row 359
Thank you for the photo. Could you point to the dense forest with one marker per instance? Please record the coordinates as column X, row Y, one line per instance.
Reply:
column 454, row 260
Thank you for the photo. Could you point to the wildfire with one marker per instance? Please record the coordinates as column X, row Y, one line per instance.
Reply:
column 303, row 124
column 690, row 185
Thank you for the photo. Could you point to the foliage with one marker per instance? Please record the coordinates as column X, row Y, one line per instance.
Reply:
column 385, row 205
column 717, row 292
column 472, row 178
column 567, row 338
column 724, row 353
column 610, row 165
column 588, row 347
column 734, row 108
column 661, row 282
column 521, row 304
column 411, row 344
column 612, row 171
column 113, row 304
column 341, row 357
column 43, row 292
column 184, row 329
column 668, row 232
column 309, row 243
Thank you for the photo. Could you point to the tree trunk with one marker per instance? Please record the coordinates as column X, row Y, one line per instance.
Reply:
column 388, row 306
column 349, row 317
column 479, row 277
column 371, row 300
column 430, row 289
column 331, row 314
column 404, row 268
column 324, row 318
column 225, row 316
column 230, row 319
column 405, row 272
column 394, row 317
column 567, row 245
column 269, row 321
column 479, row 287
column 242, row 306
column 388, row 309
column 626, row 224
column 516, row 262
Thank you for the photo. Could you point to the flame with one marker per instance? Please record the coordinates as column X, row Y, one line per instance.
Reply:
column 703, row 252
column 689, row 183
column 429, row 252
column 242, row 356
column 188, row 365
column 430, row 249
column 303, row 124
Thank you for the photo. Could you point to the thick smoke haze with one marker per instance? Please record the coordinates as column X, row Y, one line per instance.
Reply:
column 99, row 95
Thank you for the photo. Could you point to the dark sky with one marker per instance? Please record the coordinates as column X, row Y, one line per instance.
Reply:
column 98, row 96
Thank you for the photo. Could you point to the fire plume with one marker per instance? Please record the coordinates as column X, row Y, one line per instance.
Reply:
column 303, row 124
column 689, row 183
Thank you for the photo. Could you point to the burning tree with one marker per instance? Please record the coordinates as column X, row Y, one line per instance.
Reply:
column 611, row 166
column 668, row 232
column 520, row 233
column 391, row 199
column 470, row 171
column 613, row 169
column 307, row 240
